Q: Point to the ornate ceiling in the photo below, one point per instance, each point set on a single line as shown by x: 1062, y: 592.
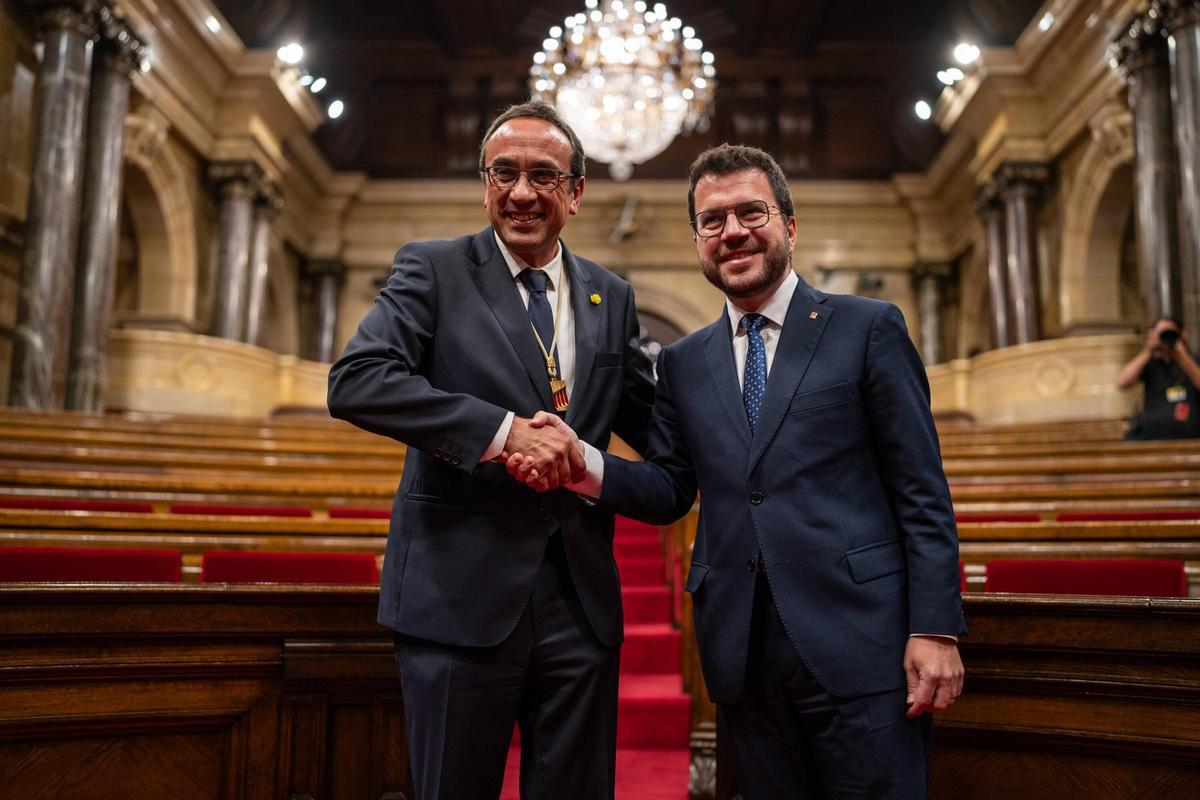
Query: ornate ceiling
x: 828, y: 86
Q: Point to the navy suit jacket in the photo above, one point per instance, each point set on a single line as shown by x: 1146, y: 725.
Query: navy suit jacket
x: 840, y: 489
x: 444, y: 353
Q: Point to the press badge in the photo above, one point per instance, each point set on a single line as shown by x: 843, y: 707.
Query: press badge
x: 1176, y: 394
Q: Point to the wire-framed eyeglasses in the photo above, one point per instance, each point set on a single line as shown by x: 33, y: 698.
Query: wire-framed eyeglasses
x: 750, y: 214
x: 542, y: 179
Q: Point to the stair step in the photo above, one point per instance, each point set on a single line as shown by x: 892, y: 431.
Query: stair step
x: 637, y: 547
x: 650, y: 649
x: 652, y: 711
x: 646, y: 604
x: 626, y: 526
x: 642, y: 774
x: 641, y: 571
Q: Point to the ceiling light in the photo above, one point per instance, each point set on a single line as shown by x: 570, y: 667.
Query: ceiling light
x: 966, y: 53
x: 336, y: 108
x: 923, y: 110
x: 212, y: 23
x: 291, y: 53
x: 950, y: 76
x: 318, y: 85
x: 1046, y: 21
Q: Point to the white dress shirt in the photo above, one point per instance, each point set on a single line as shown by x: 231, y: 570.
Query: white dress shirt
x: 557, y: 281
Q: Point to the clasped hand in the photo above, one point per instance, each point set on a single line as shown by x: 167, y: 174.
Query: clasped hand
x: 543, y: 452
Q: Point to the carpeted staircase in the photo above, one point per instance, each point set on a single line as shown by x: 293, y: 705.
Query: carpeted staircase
x: 652, y: 722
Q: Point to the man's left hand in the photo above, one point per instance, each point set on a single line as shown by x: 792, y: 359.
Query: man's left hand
x: 935, y: 674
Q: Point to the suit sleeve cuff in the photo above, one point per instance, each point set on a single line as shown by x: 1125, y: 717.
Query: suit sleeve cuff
x: 497, y: 446
x: 591, y: 484
x: 947, y: 637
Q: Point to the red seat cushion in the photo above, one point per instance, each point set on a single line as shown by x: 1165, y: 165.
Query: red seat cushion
x: 88, y: 564
x: 360, y: 513
x: 1162, y: 515
x: 997, y: 517
x: 219, y: 509
x: 225, y: 566
x: 67, y: 504
x: 1139, y: 577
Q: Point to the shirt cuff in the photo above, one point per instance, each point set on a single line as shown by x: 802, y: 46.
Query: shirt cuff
x: 945, y: 636
x: 590, y: 485
x: 497, y: 446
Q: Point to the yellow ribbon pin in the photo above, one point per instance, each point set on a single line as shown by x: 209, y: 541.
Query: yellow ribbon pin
x: 595, y: 298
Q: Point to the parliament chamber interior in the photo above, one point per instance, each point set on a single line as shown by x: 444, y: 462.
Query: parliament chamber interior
x: 201, y: 199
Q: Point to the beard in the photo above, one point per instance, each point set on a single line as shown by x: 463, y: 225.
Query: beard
x: 777, y: 260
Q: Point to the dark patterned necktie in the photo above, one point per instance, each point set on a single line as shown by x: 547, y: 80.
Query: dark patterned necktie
x: 754, y: 381
x: 540, y: 314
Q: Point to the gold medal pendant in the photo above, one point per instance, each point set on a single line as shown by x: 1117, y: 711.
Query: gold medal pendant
x: 558, y: 387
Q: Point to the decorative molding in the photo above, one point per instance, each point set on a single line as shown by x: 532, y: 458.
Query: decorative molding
x: 75, y: 16
x: 1112, y: 130
x: 145, y: 134
x: 239, y: 179
x: 119, y: 49
x: 1142, y: 43
x: 702, y: 769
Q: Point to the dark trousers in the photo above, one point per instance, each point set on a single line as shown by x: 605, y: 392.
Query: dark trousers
x: 792, y: 739
x: 551, y: 676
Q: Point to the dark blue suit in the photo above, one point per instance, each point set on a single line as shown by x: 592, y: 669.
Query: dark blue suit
x: 840, y: 492
x: 444, y: 353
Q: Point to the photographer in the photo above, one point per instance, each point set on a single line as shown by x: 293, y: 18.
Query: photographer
x: 1169, y: 375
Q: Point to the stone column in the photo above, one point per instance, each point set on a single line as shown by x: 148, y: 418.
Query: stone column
x: 1140, y: 55
x: 239, y: 184
x: 988, y: 206
x: 266, y: 209
x: 929, y: 279
x: 328, y: 277
x: 42, y: 335
x: 118, y: 54
x: 1183, y: 25
x: 1020, y: 188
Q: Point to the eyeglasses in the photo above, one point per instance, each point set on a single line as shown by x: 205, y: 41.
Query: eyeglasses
x: 542, y: 179
x: 751, y: 214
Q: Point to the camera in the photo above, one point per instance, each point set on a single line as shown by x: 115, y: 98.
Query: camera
x: 1168, y: 338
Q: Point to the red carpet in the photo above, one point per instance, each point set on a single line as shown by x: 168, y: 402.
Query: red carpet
x: 652, y: 721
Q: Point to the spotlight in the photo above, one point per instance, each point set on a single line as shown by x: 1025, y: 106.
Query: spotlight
x: 318, y: 85
x: 291, y: 53
x: 212, y: 23
x: 923, y: 110
x: 336, y: 108
x: 1046, y: 21
x: 966, y: 53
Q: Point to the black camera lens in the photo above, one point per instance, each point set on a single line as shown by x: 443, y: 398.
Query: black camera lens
x: 1168, y: 338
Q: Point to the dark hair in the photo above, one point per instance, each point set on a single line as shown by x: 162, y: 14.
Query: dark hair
x: 727, y: 158
x: 1176, y: 320
x: 537, y: 109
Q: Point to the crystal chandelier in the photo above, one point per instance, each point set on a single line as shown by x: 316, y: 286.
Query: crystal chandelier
x: 627, y: 78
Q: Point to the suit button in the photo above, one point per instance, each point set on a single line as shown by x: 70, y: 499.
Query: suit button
x: 751, y: 565
x: 456, y: 460
x: 756, y: 497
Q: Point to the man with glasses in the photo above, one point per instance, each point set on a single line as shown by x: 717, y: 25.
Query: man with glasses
x: 506, y: 603
x: 824, y: 576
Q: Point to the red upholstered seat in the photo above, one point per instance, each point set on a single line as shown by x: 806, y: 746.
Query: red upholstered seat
x: 68, y: 504
x: 88, y: 564
x: 360, y: 513
x: 219, y: 509
x: 222, y: 566
x: 1014, y: 517
x: 1160, y: 515
x: 1140, y: 577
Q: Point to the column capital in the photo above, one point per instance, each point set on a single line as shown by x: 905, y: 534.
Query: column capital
x: 241, y: 179
x: 78, y: 16
x: 325, y: 268
x: 1141, y: 43
x: 988, y: 201
x: 268, y: 200
x: 1178, y: 13
x: 938, y: 270
x: 120, y: 49
x: 1021, y: 177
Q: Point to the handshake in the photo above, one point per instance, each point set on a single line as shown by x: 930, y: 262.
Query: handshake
x: 543, y: 452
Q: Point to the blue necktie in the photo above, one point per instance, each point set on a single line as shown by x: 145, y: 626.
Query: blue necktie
x: 754, y: 381
x: 540, y: 315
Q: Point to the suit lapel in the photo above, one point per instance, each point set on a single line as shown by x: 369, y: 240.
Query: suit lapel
x: 802, y: 329
x: 587, y: 329
x: 722, y: 370
x: 500, y: 295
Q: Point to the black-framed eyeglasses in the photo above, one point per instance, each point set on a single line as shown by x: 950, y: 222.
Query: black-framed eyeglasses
x: 750, y: 214
x: 541, y: 178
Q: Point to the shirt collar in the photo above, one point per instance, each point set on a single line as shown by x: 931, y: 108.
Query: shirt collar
x: 776, y: 307
x: 553, y: 268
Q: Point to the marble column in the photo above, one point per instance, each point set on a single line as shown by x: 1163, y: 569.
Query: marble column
x: 1140, y: 55
x: 42, y: 335
x: 1183, y: 26
x: 328, y: 277
x: 1020, y: 189
x: 989, y: 207
x: 929, y: 279
x: 239, y: 184
x: 266, y: 209
x: 118, y: 53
